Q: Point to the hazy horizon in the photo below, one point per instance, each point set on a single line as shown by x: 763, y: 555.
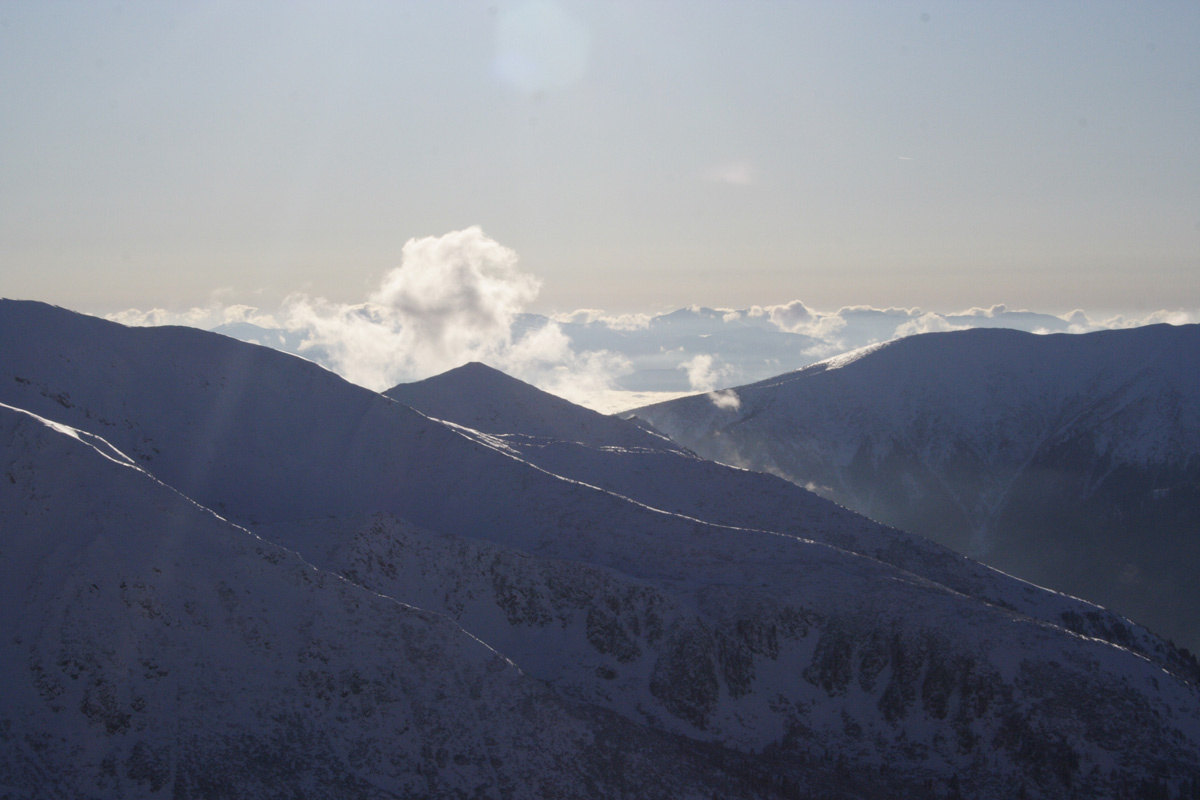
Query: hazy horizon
x: 463, y: 296
x: 637, y: 157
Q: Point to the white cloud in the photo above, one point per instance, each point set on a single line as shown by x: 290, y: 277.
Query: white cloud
x: 580, y: 316
x: 137, y: 318
x: 243, y: 313
x: 796, y: 317
x: 452, y: 299
x: 792, y: 316
x: 1177, y: 317
x: 926, y: 323
x: 194, y: 317
x: 726, y: 399
x: 616, y: 322
x: 537, y: 349
x: 890, y: 311
x: 210, y: 317
x: 455, y: 298
x: 583, y: 378
x: 703, y: 376
x: 455, y: 293
x: 545, y: 358
x: 993, y: 311
x: 1078, y: 322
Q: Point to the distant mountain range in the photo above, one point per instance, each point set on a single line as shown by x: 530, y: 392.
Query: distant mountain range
x: 739, y: 346
x: 228, y: 572
x: 750, y: 344
x: 1072, y: 461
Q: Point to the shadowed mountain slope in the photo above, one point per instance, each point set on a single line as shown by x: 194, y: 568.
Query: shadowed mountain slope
x: 1070, y: 460
x: 789, y: 664
x: 152, y: 649
x: 483, y: 398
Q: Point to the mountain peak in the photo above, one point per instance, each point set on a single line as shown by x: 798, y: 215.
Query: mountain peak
x: 488, y: 400
x: 1069, y: 460
x: 479, y: 371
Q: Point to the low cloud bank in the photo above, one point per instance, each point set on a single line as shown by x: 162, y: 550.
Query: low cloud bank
x: 595, y: 316
x: 453, y: 299
x: 462, y: 297
x: 208, y: 318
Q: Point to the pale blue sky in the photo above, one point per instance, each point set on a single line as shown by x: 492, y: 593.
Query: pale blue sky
x: 635, y: 155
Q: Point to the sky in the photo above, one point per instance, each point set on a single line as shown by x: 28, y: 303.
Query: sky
x: 635, y: 157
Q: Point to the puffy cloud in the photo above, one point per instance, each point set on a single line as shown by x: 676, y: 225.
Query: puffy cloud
x: 926, y: 323
x: 702, y: 375
x: 455, y: 294
x: 1078, y: 321
x: 584, y: 378
x: 538, y: 349
x: 616, y: 322
x: 214, y: 315
x: 796, y: 317
x: 1177, y: 317
x: 993, y: 311
x: 157, y: 316
x: 453, y: 299
x: 580, y: 316
x: 726, y: 399
x: 792, y: 316
x: 359, y: 342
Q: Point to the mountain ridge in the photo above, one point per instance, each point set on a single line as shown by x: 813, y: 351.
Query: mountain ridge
x: 463, y: 396
x: 222, y: 656
x: 959, y: 435
x: 793, y: 666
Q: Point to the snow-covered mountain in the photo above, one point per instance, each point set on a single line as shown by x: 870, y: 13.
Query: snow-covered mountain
x: 1070, y: 460
x: 152, y: 649
x: 485, y: 399
x: 647, y: 468
x: 712, y: 632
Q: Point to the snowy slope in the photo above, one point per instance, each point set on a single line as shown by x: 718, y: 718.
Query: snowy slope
x: 797, y: 653
x: 816, y: 663
x: 152, y: 649
x: 1073, y: 461
x: 223, y: 422
x: 674, y: 480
